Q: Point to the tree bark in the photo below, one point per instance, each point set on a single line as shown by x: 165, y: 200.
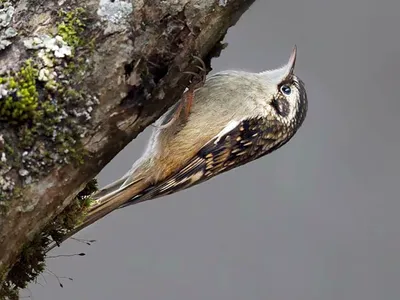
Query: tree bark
x: 69, y: 104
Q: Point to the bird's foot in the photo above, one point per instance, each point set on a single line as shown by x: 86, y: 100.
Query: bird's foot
x: 202, y: 74
x: 187, y: 99
x: 188, y: 96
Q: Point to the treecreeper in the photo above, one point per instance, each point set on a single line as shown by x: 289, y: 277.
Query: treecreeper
x: 233, y: 118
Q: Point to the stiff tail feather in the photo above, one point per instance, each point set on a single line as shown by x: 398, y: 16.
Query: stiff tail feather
x: 105, y: 204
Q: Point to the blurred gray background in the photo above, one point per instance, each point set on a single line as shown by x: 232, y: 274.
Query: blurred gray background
x: 318, y: 219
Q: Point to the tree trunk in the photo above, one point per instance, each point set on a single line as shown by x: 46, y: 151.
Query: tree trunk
x: 78, y: 81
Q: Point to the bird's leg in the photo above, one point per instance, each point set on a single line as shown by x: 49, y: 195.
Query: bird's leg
x: 187, y: 98
x: 189, y: 94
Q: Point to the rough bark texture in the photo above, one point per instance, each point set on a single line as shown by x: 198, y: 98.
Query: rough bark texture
x: 124, y: 71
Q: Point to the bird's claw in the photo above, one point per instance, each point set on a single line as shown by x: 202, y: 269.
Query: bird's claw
x: 188, y: 96
x: 187, y: 99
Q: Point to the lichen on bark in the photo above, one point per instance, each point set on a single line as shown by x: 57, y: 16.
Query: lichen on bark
x: 31, y: 261
x: 7, y: 32
x: 42, y: 106
x: 85, y: 78
x: 44, y: 114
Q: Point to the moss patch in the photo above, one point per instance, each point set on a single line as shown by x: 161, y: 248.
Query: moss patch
x: 22, y: 97
x: 31, y: 262
x: 44, y: 114
x: 72, y: 26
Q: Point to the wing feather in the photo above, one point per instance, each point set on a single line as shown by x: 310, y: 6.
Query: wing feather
x: 234, y: 146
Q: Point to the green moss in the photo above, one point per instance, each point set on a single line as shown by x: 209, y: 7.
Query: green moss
x: 44, y: 105
x: 8, y: 292
x: 43, y: 116
x: 72, y: 26
x: 22, y: 103
x: 9, y: 149
x: 73, y: 213
x: 41, y: 119
x: 31, y: 262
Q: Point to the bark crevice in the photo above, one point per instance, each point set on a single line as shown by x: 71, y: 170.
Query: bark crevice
x: 96, y: 73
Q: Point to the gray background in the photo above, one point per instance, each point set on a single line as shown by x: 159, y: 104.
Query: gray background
x: 317, y: 219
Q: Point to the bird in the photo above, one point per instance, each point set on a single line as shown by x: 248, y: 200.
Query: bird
x: 233, y: 118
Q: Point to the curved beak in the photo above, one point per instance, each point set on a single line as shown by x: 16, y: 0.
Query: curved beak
x: 292, y: 60
x: 280, y: 74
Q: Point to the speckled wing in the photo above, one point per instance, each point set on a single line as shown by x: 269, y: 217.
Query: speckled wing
x: 247, y: 140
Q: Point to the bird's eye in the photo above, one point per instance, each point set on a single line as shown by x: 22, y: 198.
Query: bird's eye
x: 286, y: 89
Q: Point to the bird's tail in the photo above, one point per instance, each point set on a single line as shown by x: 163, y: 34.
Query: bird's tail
x: 105, y: 204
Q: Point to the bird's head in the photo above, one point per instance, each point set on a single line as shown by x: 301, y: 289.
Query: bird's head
x: 288, y: 101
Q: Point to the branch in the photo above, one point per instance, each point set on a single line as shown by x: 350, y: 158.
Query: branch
x: 78, y: 81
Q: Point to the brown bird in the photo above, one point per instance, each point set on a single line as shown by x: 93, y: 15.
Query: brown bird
x: 235, y: 117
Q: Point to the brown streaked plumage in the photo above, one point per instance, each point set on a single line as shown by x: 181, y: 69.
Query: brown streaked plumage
x: 236, y: 117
